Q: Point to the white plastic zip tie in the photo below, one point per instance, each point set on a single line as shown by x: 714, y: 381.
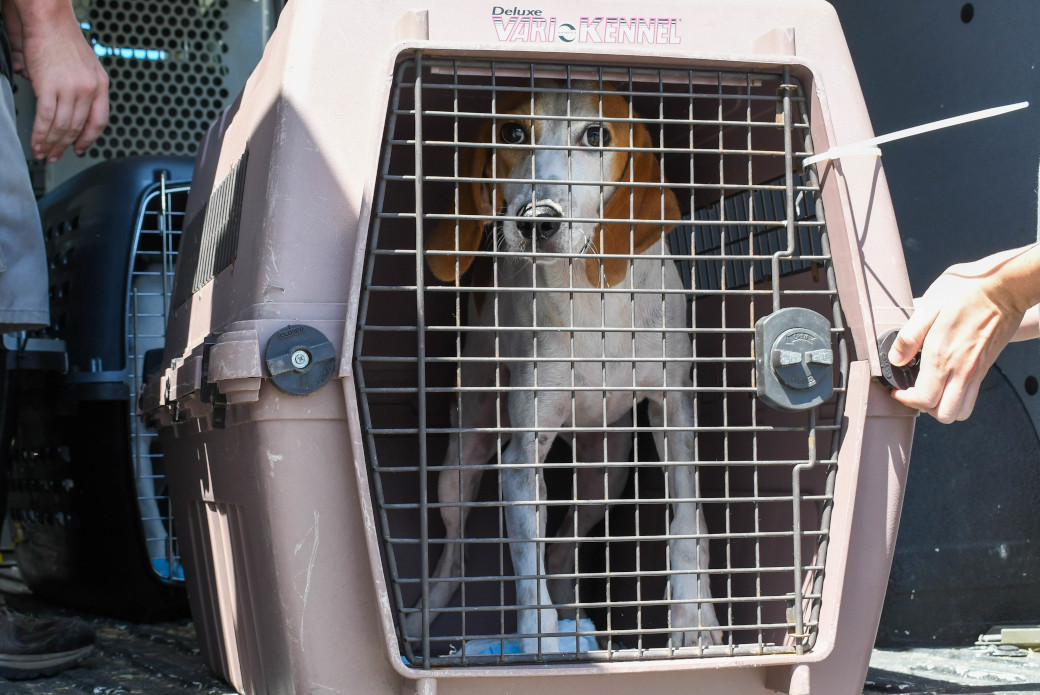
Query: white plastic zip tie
x: 869, y: 146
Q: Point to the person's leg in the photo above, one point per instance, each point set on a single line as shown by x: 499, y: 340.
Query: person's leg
x: 29, y: 647
x: 23, y: 263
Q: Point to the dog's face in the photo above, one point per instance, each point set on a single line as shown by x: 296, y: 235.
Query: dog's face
x: 553, y: 176
x: 564, y: 174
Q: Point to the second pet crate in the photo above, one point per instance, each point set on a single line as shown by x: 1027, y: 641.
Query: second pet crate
x: 88, y: 494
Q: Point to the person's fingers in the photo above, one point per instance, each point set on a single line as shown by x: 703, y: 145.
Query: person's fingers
x: 952, y: 401
x: 907, y: 397
x: 927, y: 391
x: 18, y: 64
x: 71, y: 117
x: 967, y: 402
x: 910, y: 338
x: 46, y: 107
x: 80, y: 113
x: 97, y: 118
x: 60, y: 134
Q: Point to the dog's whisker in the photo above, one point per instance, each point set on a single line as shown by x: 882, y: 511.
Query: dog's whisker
x: 590, y: 243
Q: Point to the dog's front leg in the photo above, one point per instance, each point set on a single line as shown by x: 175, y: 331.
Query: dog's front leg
x: 524, y: 494
x: 592, y: 483
x: 693, y: 616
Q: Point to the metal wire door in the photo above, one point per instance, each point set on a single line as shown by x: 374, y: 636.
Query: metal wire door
x: 731, y: 231
x: 154, y: 254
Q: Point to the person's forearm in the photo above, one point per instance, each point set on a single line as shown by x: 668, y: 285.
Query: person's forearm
x: 1014, y: 283
x: 1029, y: 329
x: 1011, y: 279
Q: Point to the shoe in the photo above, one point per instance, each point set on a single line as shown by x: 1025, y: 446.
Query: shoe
x: 34, y: 647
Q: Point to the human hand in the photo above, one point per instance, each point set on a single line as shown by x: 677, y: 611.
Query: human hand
x: 960, y: 326
x: 71, y: 87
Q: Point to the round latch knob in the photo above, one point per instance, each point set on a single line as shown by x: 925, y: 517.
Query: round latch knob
x: 300, y: 359
x: 794, y: 360
x: 801, y: 358
x: 896, y: 377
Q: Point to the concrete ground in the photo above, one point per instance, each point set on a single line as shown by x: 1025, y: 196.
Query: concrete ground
x: 164, y: 659
x: 989, y: 670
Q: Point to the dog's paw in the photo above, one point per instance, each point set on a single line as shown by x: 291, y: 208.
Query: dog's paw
x: 697, y: 638
x: 703, y: 616
x: 549, y: 645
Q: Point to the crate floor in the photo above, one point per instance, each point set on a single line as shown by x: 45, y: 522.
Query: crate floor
x: 164, y: 659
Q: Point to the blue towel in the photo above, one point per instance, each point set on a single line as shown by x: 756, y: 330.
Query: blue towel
x: 565, y: 628
x: 163, y: 569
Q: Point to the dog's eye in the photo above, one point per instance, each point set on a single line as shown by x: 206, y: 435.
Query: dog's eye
x: 596, y: 136
x: 512, y: 133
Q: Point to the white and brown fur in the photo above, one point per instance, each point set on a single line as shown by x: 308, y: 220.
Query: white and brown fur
x: 535, y: 200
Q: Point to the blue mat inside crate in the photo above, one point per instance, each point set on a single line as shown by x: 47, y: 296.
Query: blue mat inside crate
x: 564, y: 628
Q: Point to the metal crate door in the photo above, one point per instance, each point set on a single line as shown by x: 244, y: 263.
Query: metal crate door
x: 156, y: 242
x: 751, y: 243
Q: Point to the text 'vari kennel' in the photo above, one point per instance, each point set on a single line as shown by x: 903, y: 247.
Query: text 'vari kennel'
x: 606, y: 405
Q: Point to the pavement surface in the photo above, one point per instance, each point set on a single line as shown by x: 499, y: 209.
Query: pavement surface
x: 128, y: 658
x: 164, y: 659
x: 989, y: 670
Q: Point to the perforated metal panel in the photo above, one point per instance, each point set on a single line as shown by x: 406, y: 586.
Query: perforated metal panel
x: 173, y: 66
x: 651, y: 378
x: 167, y: 69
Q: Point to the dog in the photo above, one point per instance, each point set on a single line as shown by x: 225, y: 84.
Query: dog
x: 566, y: 182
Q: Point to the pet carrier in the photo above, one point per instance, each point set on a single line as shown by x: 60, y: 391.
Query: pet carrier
x: 87, y: 492
x: 604, y: 402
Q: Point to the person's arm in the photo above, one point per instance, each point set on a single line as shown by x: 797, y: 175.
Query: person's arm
x: 71, y: 87
x: 960, y: 326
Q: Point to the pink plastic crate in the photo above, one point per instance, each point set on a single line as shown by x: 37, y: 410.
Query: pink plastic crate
x: 317, y: 353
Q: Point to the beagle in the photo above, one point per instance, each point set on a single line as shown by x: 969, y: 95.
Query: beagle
x: 564, y: 189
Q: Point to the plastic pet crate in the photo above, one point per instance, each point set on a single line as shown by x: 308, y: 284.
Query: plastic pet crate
x: 88, y: 495
x: 387, y: 274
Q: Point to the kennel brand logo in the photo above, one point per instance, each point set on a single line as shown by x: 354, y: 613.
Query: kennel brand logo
x: 527, y: 25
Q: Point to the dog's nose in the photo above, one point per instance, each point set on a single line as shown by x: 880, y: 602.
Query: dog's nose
x: 543, y: 219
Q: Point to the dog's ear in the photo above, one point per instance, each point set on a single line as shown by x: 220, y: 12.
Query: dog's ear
x: 655, y: 203
x: 474, y: 199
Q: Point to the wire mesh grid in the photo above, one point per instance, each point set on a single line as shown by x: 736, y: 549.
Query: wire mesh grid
x: 156, y: 241
x: 554, y: 359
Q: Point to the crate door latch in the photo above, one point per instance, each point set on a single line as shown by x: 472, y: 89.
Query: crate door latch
x: 300, y: 359
x: 794, y: 360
